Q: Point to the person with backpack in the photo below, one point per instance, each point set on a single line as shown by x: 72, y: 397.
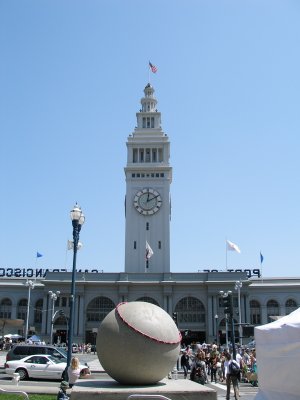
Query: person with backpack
x: 232, y: 373
x: 198, y: 371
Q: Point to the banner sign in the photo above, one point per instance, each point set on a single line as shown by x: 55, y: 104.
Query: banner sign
x: 36, y: 272
x: 41, y: 273
x: 250, y: 272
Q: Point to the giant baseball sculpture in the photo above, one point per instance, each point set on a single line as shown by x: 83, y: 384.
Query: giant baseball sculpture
x: 138, y: 343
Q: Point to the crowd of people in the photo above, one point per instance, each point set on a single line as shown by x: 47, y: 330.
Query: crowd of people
x: 212, y: 363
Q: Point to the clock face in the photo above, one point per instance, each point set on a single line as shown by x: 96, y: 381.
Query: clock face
x: 147, y: 201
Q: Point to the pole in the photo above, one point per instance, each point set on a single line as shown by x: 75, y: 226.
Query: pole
x: 27, y: 316
x: 240, y: 316
x: 52, y: 315
x: 233, y: 338
x: 238, y: 285
x: 76, y: 230
x: 226, y: 327
x: 30, y: 285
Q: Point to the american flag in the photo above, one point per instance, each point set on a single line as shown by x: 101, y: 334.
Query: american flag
x: 153, y: 67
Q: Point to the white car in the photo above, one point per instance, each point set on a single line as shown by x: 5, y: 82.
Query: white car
x: 39, y: 366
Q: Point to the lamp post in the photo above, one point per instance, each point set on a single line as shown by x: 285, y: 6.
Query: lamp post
x: 53, y: 297
x: 77, y: 218
x: 216, y: 325
x: 238, y: 286
x: 30, y: 285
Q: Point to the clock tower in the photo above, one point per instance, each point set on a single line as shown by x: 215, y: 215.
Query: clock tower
x: 147, y: 203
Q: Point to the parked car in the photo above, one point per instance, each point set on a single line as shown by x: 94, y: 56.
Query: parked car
x: 20, y: 351
x: 38, y: 366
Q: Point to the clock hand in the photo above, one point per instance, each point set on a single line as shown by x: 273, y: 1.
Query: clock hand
x: 152, y: 198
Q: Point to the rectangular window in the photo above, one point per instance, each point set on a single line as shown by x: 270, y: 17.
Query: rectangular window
x: 159, y: 244
x: 138, y: 175
x: 147, y: 226
x: 147, y: 155
x: 148, y: 122
x: 141, y: 155
x: 144, y: 122
x: 134, y: 245
x: 162, y: 175
x: 132, y: 175
x: 152, y: 122
x: 160, y: 155
x: 154, y: 155
x: 64, y: 302
x: 135, y: 155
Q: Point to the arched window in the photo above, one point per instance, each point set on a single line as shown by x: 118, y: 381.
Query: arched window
x: 255, y: 312
x: 5, y: 308
x: 148, y: 300
x: 272, y: 309
x: 190, y: 310
x: 290, y: 305
x: 98, y: 309
x: 22, y: 309
x: 38, y: 311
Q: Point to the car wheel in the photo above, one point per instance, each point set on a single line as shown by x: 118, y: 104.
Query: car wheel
x: 23, y: 374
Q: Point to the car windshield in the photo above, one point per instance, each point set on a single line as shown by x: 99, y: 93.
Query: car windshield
x: 62, y: 351
x: 55, y: 360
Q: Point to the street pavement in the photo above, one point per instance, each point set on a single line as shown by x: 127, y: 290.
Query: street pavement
x: 247, y: 392
x: 91, y: 359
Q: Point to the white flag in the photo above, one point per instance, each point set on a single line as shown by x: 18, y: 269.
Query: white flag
x: 70, y: 245
x: 149, y: 251
x: 232, y: 247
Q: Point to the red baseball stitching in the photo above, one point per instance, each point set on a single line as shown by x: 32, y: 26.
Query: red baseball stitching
x: 142, y: 333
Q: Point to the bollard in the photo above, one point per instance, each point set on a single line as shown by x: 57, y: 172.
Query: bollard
x: 16, y: 378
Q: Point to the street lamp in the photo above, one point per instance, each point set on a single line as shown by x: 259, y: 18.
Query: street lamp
x: 216, y: 319
x: 238, y: 286
x: 30, y: 285
x: 77, y: 218
x: 53, y: 297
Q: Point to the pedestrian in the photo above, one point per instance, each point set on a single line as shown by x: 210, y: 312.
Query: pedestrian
x: 73, y: 371
x: 198, y: 370
x: 62, y: 394
x: 185, y: 363
x: 232, y: 373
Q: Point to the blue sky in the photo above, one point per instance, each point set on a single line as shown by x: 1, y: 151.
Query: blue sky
x: 71, y: 76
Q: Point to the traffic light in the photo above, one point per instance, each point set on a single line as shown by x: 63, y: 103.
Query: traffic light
x: 174, y: 316
x: 227, y: 304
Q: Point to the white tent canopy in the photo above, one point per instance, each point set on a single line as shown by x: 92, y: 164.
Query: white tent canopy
x: 278, y: 354
x: 12, y: 336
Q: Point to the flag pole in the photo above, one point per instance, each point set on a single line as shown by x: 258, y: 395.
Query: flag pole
x: 146, y: 256
x: 261, y: 267
x: 226, y: 254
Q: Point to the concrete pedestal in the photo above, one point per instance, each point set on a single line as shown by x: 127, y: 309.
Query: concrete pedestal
x: 179, y: 389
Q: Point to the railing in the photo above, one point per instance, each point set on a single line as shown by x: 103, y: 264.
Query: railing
x: 24, y: 394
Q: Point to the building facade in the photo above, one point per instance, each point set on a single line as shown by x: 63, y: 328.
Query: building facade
x: 194, y: 296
